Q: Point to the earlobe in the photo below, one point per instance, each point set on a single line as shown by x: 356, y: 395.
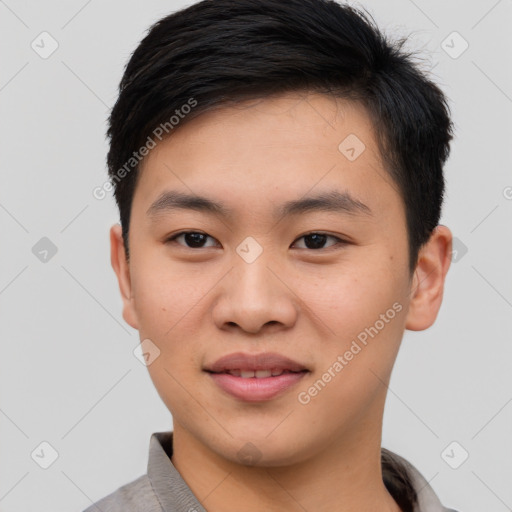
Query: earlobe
x: 426, y: 292
x: 122, y: 270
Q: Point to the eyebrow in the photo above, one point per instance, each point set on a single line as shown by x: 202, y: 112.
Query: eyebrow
x: 331, y: 201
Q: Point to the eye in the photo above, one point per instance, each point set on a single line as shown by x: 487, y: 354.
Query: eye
x: 316, y: 240
x: 194, y: 238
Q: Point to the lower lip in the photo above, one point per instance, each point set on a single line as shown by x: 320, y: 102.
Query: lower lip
x: 255, y: 389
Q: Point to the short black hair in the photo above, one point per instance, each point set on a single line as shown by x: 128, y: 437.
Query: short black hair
x: 219, y: 52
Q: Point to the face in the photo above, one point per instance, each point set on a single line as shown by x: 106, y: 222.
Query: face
x: 300, y: 273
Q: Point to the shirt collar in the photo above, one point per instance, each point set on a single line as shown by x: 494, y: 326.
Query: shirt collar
x: 175, y: 495
x: 172, y: 491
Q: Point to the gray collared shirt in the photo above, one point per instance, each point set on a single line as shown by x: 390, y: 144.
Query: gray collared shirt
x: 163, y: 489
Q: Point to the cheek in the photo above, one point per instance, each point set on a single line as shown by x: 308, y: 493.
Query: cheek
x: 169, y: 304
x: 348, y: 299
x: 164, y: 296
x: 362, y: 313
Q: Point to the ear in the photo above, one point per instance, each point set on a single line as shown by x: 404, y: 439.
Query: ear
x: 434, y: 260
x: 122, y: 270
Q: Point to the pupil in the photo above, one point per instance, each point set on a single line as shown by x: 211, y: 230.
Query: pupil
x: 194, y: 239
x: 318, y: 240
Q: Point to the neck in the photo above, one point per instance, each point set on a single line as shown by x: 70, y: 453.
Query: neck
x: 346, y: 477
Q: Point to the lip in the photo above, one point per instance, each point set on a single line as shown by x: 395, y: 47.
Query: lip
x: 254, y: 362
x: 255, y: 389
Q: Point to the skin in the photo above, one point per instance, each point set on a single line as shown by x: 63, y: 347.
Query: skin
x: 198, y: 303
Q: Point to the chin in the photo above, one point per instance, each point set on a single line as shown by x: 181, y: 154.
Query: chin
x: 261, y: 449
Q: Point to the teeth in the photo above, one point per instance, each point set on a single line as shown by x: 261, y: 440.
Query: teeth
x: 259, y: 374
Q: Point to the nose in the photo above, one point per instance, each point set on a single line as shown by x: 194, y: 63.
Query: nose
x: 255, y: 297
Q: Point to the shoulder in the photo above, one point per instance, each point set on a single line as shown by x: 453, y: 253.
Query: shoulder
x: 137, y: 495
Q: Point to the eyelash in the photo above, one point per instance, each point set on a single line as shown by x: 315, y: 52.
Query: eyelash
x: 340, y: 242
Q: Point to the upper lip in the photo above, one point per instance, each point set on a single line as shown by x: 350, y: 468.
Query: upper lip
x: 254, y: 362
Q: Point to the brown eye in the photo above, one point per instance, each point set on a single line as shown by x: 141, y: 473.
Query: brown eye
x: 316, y: 241
x: 192, y: 239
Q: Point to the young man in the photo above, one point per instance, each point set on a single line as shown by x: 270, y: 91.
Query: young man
x: 278, y: 170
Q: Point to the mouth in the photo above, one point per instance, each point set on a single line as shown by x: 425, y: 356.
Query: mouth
x: 255, y: 377
x: 257, y: 374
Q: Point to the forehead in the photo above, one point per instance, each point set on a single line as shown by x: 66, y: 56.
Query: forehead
x: 259, y: 151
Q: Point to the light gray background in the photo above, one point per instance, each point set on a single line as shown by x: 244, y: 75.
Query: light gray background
x: 68, y: 374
